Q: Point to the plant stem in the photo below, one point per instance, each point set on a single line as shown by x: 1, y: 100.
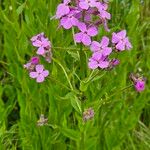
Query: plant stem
x: 82, y: 62
x: 82, y: 76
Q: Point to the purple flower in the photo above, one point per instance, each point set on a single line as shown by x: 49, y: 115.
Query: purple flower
x: 102, y: 7
x: 121, y: 41
x: 101, y: 47
x: 139, y: 85
x: 85, y: 35
x: 69, y: 20
x: 88, y: 114
x: 138, y: 81
x: 30, y: 66
x: 85, y: 4
x: 37, y: 37
x: 39, y: 73
x: 42, y: 44
x: 63, y: 9
x: 98, y: 61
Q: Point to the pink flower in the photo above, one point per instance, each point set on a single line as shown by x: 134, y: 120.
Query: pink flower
x: 85, y: 4
x: 42, y: 44
x: 98, y: 61
x: 39, y: 73
x: 31, y: 64
x: 69, y: 20
x: 138, y: 81
x: 85, y: 35
x: 37, y: 37
x: 63, y: 9
x: 102, y: 8
x: 139, y: 85
x: 121, y: 41
x: 101, y: 47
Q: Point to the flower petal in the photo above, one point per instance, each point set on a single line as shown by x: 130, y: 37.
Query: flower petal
x: 95, y: 46
x: 74, y: 21
x: 107, y: 51
x: 66, y: 23
x: 33, y: 74
x: 62, y: 10
x: 45, y: 73
x: 104, y: 41
x: 122, y: 34
x: 82, y: 26
x: 103, y: 64
x: 93, y: 64
x: 86, y: 40
x: 115, y: 38
x: 78, y: 37
x: 40, y: 50
x: 84, y: 5
x: 97, y: 56
x: 120, y: 46
x: 40, y: 79
x: 39, y: 68
x: 128, y: 44
x: 37, y: 43
x: 92, y: 31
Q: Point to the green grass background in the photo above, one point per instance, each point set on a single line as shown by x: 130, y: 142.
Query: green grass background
x: 122, y: 116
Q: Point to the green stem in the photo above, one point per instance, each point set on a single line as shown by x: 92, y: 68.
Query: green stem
x: 82, y: 76
x: 71, y: 87
x: 82, y: 62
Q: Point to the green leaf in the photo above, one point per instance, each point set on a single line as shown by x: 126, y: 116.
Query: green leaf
x: 20, y: 8
x: 70, y: 133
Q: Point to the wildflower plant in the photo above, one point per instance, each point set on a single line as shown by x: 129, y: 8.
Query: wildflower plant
x: 78, y: 98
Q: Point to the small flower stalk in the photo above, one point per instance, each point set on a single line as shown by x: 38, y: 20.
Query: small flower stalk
x: 88, y: 114
x: 35, y: 69
x: 42, y: 121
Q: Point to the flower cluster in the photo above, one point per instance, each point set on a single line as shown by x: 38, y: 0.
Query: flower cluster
x: 138, y: 81
x: 87, y: 16
x: 101, y: 51
x: 36, y: 70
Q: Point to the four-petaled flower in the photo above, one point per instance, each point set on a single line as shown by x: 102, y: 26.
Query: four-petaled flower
x: 121, y: 41
x: 63, y: 9
x: 102, y: 8
x: 98, y: 61
x: 101, y: 47
x: 39, y: 73
x: 85, y: 35
x: 69, y: 20
x: 42, y: 44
